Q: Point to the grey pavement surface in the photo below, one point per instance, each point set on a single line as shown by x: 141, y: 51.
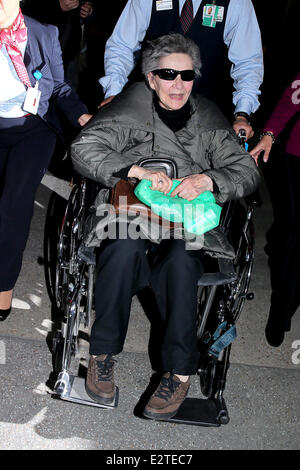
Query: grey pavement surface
x: 262, y: 392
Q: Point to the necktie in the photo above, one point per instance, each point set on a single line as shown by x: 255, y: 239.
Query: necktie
x: 186, y: 17
x: 11, y: 37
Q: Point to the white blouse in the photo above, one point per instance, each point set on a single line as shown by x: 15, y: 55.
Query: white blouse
x: 12, y: 90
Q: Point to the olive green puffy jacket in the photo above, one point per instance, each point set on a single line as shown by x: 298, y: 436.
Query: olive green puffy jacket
x: 129, y: 129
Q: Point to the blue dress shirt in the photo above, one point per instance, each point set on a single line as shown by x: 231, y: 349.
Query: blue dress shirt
x: 241, y: 36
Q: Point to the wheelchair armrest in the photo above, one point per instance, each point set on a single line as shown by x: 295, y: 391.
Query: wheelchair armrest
x: 166, y: 164
x: 225, y: 275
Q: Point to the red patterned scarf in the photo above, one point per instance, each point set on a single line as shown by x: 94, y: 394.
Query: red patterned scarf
x: 12, y: 37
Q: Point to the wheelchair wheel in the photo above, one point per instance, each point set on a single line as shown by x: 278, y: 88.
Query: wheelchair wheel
x: 213, y: 314
x: 55, y: 213
x: 67, y: 266
x: 243, y: 267
x: 74, y: 279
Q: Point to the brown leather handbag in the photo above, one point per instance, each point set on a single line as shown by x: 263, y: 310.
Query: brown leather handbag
x: 124, y: 201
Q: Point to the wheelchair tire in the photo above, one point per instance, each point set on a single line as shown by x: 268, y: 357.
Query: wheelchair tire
x: 243, y: 267
x: 55, y: 213
x: 68, y: 244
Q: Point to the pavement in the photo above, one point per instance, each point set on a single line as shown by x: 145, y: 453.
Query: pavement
x: 262, y: 391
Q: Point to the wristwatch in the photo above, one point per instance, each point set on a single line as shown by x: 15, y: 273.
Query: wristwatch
x: 242, y: 114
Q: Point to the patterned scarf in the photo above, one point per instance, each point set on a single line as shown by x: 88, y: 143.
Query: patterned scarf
x: 12, y: 37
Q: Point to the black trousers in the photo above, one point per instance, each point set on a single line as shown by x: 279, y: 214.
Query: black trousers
x: 123, y: 270
x: 26, y: 147
x: 286, y: 294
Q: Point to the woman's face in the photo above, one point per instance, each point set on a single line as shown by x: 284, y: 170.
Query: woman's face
x: 9, y: 10
x: 172, y: 94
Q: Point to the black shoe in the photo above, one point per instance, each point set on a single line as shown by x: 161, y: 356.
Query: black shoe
x: 4, y: 313
x: 274, y: 334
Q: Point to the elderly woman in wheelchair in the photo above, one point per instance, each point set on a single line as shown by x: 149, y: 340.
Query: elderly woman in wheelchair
x: 159, y: 119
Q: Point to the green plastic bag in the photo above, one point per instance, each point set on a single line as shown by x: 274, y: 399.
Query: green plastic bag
x: 198, y: 216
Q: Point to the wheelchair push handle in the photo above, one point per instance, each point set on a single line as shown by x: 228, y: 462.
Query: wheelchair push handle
x: 242, y: 138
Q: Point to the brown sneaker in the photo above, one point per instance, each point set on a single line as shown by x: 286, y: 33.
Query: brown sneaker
x: 167, y: 398
x: 100, y: 379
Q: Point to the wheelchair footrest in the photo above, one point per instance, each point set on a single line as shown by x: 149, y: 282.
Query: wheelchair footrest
x: 202, y: 412
x: 76, y: 393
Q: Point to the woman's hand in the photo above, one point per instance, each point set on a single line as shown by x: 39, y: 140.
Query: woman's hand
x: 192, y: 186
x: 160, y: 181
x: 264, y: 145
x: 84, y: 118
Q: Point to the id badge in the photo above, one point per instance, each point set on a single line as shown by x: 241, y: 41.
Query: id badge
x: 164, y: 5
x: 32, y: 100
x: 220, y: 14
x: 210, y: 15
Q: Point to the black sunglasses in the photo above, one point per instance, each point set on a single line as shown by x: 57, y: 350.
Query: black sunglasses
x: 171, y: 74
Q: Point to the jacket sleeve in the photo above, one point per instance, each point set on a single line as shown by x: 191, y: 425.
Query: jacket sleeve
x: 286, y: 108
x: 232, y: 169
x: 97, y: 152
x: 65, y: 98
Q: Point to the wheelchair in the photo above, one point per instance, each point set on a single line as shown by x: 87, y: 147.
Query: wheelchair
x: 222, y: 292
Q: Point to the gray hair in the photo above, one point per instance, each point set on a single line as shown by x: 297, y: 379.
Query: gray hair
x: 166, y: 45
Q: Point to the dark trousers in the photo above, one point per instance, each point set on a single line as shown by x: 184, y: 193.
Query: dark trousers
x: 123, y: 270
x: 26, y: 147
x: 286, y: 294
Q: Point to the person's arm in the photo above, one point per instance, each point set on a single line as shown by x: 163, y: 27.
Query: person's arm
x: 232, y: 168
x: 124, y: 42
x: 66, y: 99
x: 243, y: 39
x: 286, y: 108
x: 97, y: 152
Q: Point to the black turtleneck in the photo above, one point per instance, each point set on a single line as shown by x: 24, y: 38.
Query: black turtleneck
x: 174, y: 119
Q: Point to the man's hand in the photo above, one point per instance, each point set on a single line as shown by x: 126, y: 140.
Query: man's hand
x: 106, y: 101
x: 192, y: 186
x: 86, y: 10
x: 264, y: 145
x: 241, y: 122
x: 68, y: 5
x: 84, y: 118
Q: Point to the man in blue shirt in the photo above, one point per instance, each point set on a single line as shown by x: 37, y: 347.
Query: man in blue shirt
x: 229, y: 29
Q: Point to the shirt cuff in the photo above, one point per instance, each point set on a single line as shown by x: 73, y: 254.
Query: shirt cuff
x: 243, y: 105
x: 123, y: 173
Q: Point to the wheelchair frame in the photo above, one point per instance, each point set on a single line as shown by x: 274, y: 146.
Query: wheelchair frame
x: 221, y: 296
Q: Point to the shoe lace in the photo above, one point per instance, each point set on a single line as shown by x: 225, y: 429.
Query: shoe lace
x: 105, y: 369
x: 167, y: 388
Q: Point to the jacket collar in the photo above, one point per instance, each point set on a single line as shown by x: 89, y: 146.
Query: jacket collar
x: 29, y: 50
